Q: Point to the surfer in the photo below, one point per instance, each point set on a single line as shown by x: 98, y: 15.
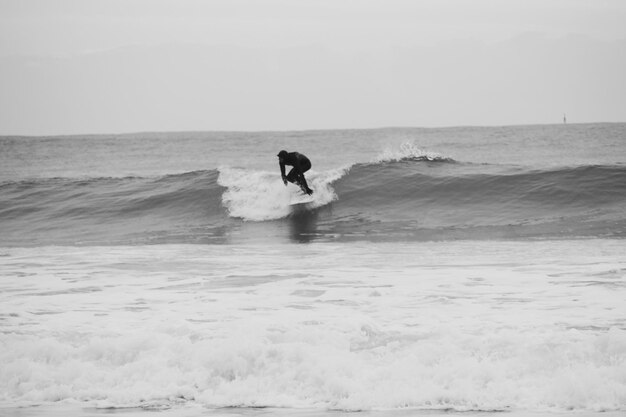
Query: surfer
x: 300, y: 164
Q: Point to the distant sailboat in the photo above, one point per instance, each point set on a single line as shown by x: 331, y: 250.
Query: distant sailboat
x: 564, y: 119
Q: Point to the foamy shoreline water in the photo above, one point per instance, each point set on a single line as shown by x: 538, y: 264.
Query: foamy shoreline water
x: 69, y: 411
x: 531, y: 327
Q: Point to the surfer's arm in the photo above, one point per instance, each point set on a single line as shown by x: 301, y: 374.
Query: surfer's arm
x: 282, y: 172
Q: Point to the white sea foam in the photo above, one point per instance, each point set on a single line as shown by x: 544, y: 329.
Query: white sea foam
x: 258, y: 196
x: 463, y: 326
x: 407, y: 150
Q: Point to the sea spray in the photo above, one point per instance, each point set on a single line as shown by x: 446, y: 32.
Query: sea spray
x: 409, y: 151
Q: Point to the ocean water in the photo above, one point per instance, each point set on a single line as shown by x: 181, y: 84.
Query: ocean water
x: 457, y: 270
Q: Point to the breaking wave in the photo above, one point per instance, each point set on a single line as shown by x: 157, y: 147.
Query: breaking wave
x: 406, y: 195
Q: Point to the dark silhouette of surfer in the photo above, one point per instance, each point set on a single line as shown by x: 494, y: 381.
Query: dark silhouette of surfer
x: 300, y: 164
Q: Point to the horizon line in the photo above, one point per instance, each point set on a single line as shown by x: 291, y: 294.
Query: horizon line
x: 146, y: 132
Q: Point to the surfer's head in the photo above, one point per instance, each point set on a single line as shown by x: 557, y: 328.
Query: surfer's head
x: 282, y: 154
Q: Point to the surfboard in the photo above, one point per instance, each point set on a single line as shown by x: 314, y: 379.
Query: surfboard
x: 302, y: 188
x: 301, y: 199
x: 299, y: 196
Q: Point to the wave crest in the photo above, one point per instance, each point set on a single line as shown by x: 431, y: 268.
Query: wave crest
x: 409, y: 151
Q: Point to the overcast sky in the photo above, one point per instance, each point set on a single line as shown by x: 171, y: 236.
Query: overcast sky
x: 108, y: 66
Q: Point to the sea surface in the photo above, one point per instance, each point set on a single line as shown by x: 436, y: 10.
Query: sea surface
x: 436, y: 271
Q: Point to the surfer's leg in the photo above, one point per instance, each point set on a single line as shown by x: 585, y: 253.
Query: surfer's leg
x: 305, y: 165
x: 301, y: 181
x: 297, y: 178
x: 292, y: 177
x: 303, y: 185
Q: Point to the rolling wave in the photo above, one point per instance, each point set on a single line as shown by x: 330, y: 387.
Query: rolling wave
x: 109, y: 210
x: 412, y: 197
x: 431, y: 202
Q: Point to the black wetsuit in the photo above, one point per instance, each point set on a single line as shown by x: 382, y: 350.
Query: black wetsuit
x: 300, y: 164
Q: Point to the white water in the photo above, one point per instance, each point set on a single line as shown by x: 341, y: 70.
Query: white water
x: 537, y: 326
x: 258, y: 195
x: 406, y: 150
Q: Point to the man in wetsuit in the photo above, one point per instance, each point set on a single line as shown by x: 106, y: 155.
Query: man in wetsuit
x: 300, y: 164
